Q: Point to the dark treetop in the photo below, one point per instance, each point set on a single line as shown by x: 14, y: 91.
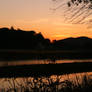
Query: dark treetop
x: 20, y: 39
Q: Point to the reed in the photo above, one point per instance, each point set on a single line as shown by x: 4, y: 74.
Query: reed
x: 48, y: 84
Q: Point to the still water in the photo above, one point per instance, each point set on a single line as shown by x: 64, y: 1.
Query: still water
x: 28, y: 62
x: 53, y: 83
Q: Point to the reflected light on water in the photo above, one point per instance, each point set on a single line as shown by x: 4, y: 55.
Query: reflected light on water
x: 29, y: 62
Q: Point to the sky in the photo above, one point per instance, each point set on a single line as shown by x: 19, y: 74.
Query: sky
x: 38, y: 15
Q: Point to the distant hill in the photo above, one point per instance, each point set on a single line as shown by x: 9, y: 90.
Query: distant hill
x: 20, y: 39
x: 82, y: 43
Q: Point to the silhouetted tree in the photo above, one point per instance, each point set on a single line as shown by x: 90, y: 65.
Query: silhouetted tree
x: 75, y: 11
x: 20, y: 39
x: 12, y: 28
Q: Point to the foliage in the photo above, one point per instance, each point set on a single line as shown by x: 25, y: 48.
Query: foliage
x: 76, y: 11
x: 54, y: 84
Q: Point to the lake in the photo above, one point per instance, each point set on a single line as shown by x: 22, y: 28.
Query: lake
x: 45, y: 61
x: 73, y: 82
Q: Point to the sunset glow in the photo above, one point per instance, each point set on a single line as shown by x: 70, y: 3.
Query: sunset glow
x: 37, y: 15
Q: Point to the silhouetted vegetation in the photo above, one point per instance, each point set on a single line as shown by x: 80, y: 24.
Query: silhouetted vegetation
x: 48, y: 84
x: 30, y: 40
x: 20, y: 44
x: 75, y: 11
x: 20, y: 39
x: 80, y: 43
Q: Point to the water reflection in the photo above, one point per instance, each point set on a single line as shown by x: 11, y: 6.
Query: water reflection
x: 62, y: 83
x: 28, y: 62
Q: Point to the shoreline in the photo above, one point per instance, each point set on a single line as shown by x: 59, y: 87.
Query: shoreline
x: 44, y: 69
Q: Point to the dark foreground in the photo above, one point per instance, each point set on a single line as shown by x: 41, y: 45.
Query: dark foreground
x: 44, y: 69
x: 10, y: 55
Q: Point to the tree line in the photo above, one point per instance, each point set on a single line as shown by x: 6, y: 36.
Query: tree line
x: 20, y: 39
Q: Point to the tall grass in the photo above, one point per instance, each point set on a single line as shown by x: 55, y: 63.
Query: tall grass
x: 76, y: 83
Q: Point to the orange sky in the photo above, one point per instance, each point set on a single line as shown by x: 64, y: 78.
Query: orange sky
x: 37, y: 15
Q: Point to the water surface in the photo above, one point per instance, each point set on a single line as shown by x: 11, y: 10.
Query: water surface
x: 47, y: 61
